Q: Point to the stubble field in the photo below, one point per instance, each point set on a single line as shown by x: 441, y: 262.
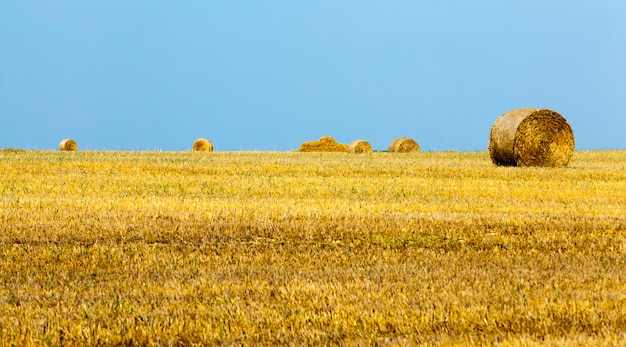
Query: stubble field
x: 275, y: 248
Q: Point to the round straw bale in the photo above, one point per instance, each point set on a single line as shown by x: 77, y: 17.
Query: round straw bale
x: 403, y: 145
x: 392, y: 145
x: 324, y: 144
x: 68, y: 145
x: 359, y: 146
x: 531, y: 137
x: 202, y: 145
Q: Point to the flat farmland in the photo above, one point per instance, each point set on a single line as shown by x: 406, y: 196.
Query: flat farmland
x: 287, y: 248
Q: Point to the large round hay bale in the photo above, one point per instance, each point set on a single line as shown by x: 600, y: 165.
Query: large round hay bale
x: 324, y: 144
x: 202, y: 145
x: 531, y: 137
x: 359, y: 146
x: 403, y: 145
x: 68, y: 145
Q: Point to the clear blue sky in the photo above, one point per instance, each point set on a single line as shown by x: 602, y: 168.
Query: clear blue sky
x: 268, y: 75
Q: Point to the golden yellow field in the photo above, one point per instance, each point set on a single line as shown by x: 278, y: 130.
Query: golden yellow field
x: 275, y: 248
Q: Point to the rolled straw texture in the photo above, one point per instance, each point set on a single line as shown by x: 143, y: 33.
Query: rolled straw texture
x: 68, y: 145
x: 324, y: 144
x: 202, y: 145
x: 359, y: 146
x: 403, y: 145
x: 531, y: 137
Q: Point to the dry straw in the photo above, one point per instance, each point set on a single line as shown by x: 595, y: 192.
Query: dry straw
x: 68, y: 145
x: 324, y: 144
x: 403, y: 145
x: 531, y: 137
x: 202, y: 145
x: 359, y: 146
x: 12, y: 150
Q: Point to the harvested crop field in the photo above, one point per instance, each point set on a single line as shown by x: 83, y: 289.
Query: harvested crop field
x: 278, y: 248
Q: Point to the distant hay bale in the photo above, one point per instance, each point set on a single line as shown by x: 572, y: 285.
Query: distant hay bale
x: 12, y: 150
x: 531, y: 137
x: 403, y: 145
x: 202, y: 145
x: 359, y: 146
x: 68, y: 145
x: 324, y: 144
